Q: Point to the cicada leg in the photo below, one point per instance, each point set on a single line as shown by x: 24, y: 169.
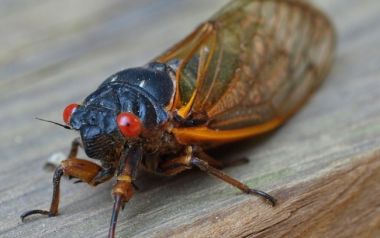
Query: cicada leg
x: 175, y: 166
x: 195, y: 158
x: 181, y: 163
x: 77, y: 142
x: 123, y: 189
x: 72, y: 167
x: 84, y: 170
x: 204, y: 166
x: 219, y: 164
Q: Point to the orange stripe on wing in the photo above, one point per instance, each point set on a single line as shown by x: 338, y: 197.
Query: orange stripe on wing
x: 206, y: 135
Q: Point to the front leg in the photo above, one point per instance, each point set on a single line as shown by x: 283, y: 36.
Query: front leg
x: 84, y: 170
x: 123, y: 189
x: 72, y: 167
x: 106, y: 172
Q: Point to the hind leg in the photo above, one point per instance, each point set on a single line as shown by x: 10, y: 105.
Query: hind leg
x: 193, y: 158
x: 219, y: 164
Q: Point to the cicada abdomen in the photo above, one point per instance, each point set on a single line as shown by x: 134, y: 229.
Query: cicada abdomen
x: 250, y: 67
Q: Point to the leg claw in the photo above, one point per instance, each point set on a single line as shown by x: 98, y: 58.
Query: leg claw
x: 268, y: 198
x: 32, y: 212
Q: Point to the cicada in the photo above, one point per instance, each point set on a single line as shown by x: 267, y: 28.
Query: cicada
x: 242, y: 73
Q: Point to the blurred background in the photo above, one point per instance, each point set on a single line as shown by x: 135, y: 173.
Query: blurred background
x: 53, y: 53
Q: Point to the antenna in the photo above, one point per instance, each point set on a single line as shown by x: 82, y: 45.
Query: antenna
x: 55, y: 123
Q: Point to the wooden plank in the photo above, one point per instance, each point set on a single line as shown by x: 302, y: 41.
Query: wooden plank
x: 323, y: 165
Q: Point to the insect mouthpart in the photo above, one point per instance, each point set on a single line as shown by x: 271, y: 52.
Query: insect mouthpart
x: 101, y: 147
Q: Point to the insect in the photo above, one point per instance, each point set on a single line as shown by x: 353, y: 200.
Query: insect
x: 239, y: 74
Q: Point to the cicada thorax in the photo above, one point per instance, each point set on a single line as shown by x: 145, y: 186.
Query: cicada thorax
x: 250, y: 67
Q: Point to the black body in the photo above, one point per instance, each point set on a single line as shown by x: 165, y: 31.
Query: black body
x: 144, y: 91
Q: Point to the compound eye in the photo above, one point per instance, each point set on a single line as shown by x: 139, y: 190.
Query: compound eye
x: 68, y: 112
x: 129, y: 124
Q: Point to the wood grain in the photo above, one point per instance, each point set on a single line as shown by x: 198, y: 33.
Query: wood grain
x: 323, y: 165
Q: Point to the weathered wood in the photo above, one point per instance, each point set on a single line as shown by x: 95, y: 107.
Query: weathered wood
x: 323, y: 165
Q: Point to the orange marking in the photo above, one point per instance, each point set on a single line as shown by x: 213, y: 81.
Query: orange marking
x: 184, y: 111
x: 205, y: 30
x: 204, y: 134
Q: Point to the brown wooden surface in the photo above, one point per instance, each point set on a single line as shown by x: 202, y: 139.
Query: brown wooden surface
x: 323, y: 165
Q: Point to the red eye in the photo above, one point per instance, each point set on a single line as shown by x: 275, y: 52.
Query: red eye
x: 69, y: 110
x: 129, y: 124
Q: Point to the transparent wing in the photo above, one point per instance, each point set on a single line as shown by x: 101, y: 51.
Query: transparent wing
x: 254, y: 63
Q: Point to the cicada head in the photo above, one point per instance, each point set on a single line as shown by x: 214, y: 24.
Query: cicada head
x: 129, y: 107
x: 104, y: 133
